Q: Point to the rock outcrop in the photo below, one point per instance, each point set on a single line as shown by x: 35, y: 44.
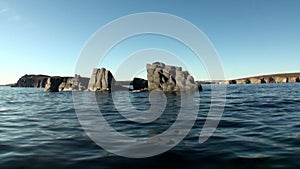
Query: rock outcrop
x: 139, y: 84
x: 232, y: 82
x: 160, y: 76
x: 66, y: 84
x: 101, y: 80
x: 170, y: 78
x: 57, y: 83
x: 37, y: 81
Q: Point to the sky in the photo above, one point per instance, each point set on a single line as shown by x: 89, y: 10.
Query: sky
x: 251, y: 37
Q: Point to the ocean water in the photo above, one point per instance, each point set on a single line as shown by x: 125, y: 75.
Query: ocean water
x: 260, y: 128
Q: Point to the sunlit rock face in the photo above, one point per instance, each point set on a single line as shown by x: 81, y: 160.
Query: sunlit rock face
x: 66, y: 84
x: 101, y: 80
x: 170, y: 78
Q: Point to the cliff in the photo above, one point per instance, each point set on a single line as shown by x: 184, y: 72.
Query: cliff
x: 272, y: 78
x: 53, y: 83
x: 37, y: 81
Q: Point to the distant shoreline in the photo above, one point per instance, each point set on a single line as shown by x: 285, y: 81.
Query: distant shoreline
x: 270, y: 78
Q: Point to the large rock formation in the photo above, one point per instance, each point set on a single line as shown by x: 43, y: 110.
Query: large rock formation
x: 101, y: 80
x: 38, y: 81
x: 170, y: 78
x: 57, y: 83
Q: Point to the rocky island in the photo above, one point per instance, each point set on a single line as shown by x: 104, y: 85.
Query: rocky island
x: 160, y: 76
x: 170, y: 78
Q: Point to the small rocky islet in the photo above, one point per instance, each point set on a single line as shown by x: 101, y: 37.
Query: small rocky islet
x: 159, y: 76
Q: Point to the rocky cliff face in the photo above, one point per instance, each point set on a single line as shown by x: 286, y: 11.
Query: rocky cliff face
x: 38, y: 81
x: 275, y: 78
x: 57, y: 83
x: 53, y: 84
x: 101, y: 80
x: 170, y: 78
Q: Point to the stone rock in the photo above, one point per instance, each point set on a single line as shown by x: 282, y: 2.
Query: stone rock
x: 263, y: 80
x: 101, y: 80
x: 232, y: 82
x: 139, y: 84
x: 36, y: 81
x: 272, y: 80
x: 248, y: 81
x: 170, y: 78
x: 199, y: 86
x: 66, y: 84
x: 53, y: 84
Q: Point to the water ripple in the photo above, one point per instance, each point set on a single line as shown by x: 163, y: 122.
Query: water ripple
x: 260, y: 128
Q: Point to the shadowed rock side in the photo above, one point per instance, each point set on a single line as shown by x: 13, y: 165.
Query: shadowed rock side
x: 80, y: 83
x: 275, y: 78
x: 170, y: 78
x: 37, y: 81
x: 139, y: 84
x: 53, y: 84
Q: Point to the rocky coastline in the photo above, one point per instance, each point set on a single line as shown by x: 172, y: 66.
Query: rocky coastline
x: 273, y: 78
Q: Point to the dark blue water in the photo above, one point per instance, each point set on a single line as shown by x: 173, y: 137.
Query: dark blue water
x: 260, y: 128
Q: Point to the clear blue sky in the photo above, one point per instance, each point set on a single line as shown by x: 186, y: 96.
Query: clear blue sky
x: 252, y: 37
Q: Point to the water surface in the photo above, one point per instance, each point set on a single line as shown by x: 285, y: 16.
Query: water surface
x: 260, y: 128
